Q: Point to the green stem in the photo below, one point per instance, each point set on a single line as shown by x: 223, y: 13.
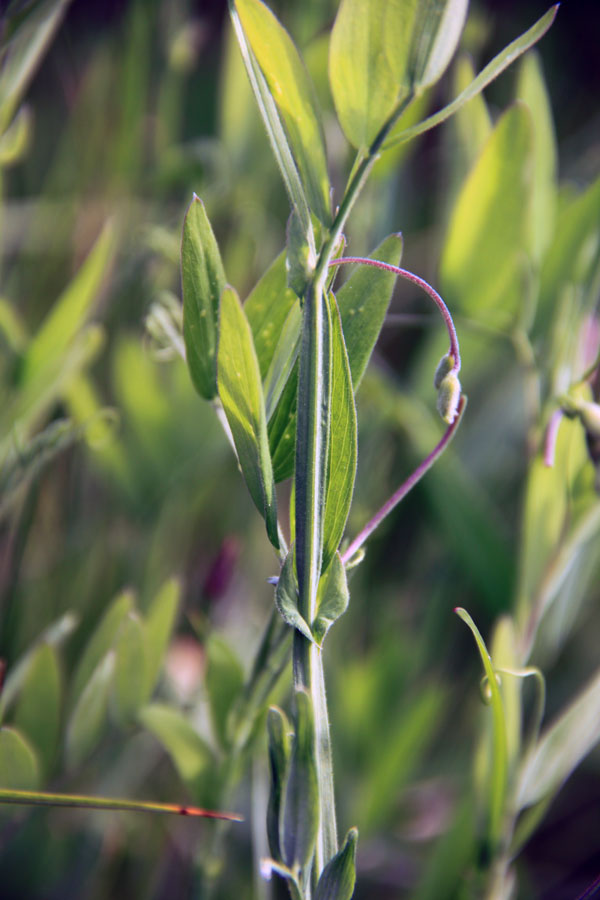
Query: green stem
x: 83, y: 801
x: 312, y: 437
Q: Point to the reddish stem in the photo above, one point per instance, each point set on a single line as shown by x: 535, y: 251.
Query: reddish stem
x: 405, y: 487
x: 424, y: 285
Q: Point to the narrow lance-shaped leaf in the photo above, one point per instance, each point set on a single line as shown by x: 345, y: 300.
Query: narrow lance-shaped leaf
x: 21, y: 54
x: 363, y: 301
x: 294, y: 95
x: 342, y: 442
x: 224, y: 681
x: 284, y: 360
x: 274, y: 127
x: 240, y: 391
x: 279, y: 731
x: 38, y: 710
x: 130, y: 677
x: 190, y: 754
x: 339, y: 875
x: 301, y: 815
x: 532, y: 90
x: 159, y: 623
x: 494, y: 68
x: 102, y: 640
x: 90, y: 713
x: 481, y: 260
x: 18, y: 763
x: 202, y: 280
x: 562, y: 747
x: 70, y: 310
x: 267, y: 307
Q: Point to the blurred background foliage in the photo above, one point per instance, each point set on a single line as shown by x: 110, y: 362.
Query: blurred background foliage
x: 115, y: 477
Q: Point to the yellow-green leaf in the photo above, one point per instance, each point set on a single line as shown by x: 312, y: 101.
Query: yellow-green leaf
x: 293, y: 92
x: 202, y: 280
x: 483, y: 254
x: 240, y: 391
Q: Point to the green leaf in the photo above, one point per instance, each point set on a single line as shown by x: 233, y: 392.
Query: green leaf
x: 23, y: 50
x: 282, y: 429
x: 37, y: 395
x: 506, y: 655
x: 89, y: 716
x: 70, y: 311
x: 102, y: 641
x: 286, y: 597
x: 23, y: 463
x: 160, y: 620
x: 483, y: 254
x: 332, y: 600
x: 294, y: 95
x: 342, y: 443
x: 562, y: 747
x: 15, y: 140
x: 202, y: 282
x: 38, y: 710
x: 266, y: 308
x: 437, y: 31
x: 129, y: 687
x: 224, y: 683
x: 494, y: 68
x: 18, y: 764
x: 279, y: 730
x: 241, y: 394
x: 499, y: 763
x: 577, y: 222
x: 531, y: 89
x: 274, y: 128
x: 284, y: 360
x: 53, y: 636
x: 301, y: 813
x: 190, y: 754
x: 361, y: 73
x: 363, y: 302
x: 339, y: 875
x: 472, y: 122
x: 384, y: 51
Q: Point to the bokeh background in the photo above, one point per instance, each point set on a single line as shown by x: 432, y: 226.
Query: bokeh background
x: 137, y: 104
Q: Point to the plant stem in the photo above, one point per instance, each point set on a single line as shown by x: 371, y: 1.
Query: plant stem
x: 83, y: 801
x: 424, y: 285
x: 312, y: 438
x: 405, y: 487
